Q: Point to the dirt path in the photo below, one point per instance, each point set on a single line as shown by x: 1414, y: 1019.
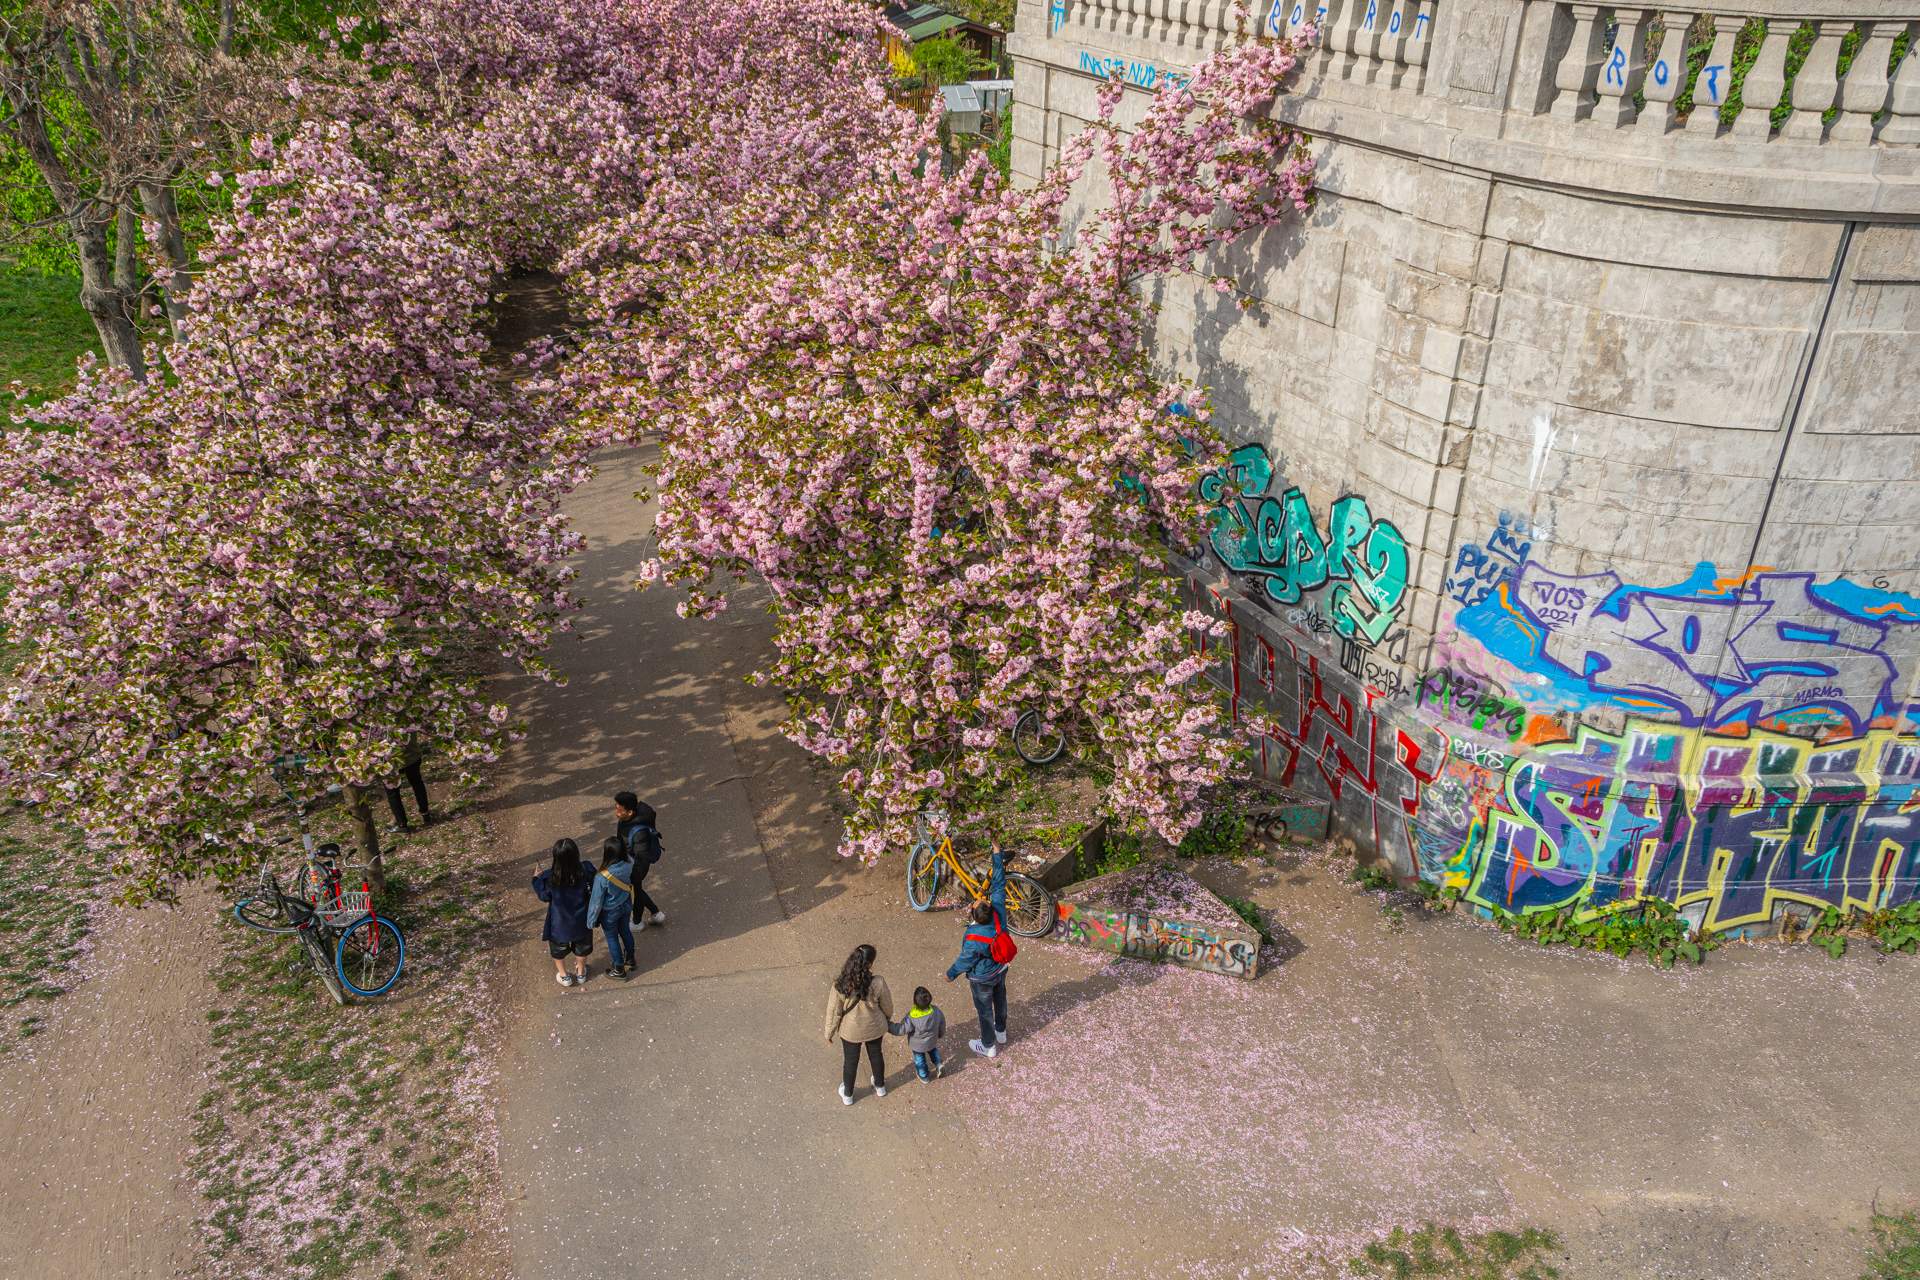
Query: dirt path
x: 97, y: 1111
x: 1143, y: 1119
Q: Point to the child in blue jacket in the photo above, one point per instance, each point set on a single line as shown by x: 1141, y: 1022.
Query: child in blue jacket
x: 986, y: 976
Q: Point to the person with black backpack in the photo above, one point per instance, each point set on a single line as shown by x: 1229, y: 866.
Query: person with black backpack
x: 637, y: 832
x: 986, y: 949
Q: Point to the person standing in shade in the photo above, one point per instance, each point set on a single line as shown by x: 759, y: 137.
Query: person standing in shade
x: 410, y: 773
x: 985, y: 975
x: 564, y: 887
x: 611, y: 905
x: 641, y: 838
x: 859, y: 1012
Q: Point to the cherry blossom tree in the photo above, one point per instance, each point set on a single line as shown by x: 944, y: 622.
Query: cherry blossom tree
x: 315, y: 535
x: 927, y: 419
x: 527, y: 121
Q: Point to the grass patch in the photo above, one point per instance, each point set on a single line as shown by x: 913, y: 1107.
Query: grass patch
x: 47, y: 884
x: 43, y: 329
x: 1449, y: 1254
x: 1896, y: 1247
x: 1251, y: 914
x: 348, y: 1142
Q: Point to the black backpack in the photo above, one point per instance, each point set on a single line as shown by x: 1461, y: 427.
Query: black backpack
x: 643, y: 842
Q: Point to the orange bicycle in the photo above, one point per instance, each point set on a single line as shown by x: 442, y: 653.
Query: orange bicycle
x: 1030, y: 904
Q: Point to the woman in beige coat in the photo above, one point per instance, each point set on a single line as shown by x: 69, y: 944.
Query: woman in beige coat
x: 859, y: 1009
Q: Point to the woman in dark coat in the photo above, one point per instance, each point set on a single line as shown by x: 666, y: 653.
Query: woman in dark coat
x: 565, y: 887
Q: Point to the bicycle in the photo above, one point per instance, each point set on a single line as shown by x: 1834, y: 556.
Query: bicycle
x: 368, y: 950
x: 1031, y: 908
x: 1034, y: 739
x: 354, y: 950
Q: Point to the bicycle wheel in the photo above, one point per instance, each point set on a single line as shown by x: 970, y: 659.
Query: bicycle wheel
x: 1030, y: 906
x: 263, y: 914
x: 322, y: 964
x: 370, y: 955
x: 923, y: 877
x: 1036, y: 741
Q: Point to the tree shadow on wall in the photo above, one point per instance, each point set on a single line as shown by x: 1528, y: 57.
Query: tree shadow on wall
x: 1225, y: 344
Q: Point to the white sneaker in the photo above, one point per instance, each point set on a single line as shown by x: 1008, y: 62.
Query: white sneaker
x: 640, y: 925
x: 981, y: 1049
x: 879, y: 1090
x: 659, y: 917
x: 845, y: 1096
x: 563, y: 979
x: 999, y: 1037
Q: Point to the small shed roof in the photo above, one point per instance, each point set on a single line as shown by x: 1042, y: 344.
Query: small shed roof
x: 960, y: 97
x: 939, y: 24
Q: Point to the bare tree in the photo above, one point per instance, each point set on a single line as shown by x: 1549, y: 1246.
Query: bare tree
x: 115, y: 102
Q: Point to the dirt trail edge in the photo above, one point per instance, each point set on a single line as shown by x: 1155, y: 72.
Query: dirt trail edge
x: 98, y: 1110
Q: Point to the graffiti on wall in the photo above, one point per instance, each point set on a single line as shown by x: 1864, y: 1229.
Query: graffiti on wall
x: 1276, y: 540
x: 1128, y: 70
x: 1479, y: 568
x: 1756, y: 649
x: 1149, y: 937
x: 1729, y: 830
x: 1737, y: 745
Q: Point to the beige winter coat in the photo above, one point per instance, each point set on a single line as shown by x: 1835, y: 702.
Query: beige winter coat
x: 859, y: 1021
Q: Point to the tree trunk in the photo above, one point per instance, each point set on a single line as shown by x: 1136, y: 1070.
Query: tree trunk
x: 99, y: 293
x: 104, y: 301
x: 162, y: 210
x: 126, y: 261
x: 360, y: 809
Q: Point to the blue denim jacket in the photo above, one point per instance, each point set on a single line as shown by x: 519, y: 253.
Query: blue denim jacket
x: 609, y: 901
x: 976, y: 961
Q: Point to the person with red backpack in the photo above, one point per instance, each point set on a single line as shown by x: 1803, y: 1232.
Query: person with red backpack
x: 985, y: 952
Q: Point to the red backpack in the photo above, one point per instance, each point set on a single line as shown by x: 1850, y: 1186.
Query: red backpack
x: 1003, y: 948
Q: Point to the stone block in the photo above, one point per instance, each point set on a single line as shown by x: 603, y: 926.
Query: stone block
x: 1156, y: 913
x: 1682, y: 240
x: 1682, y: 370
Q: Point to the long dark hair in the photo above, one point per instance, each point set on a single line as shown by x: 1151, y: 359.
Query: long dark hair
x: 566, y: 864
x: 613, y: 851
x: 856, y: 975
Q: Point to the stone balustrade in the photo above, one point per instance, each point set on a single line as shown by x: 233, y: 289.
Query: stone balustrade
x: 1794, y: 104
x: 1814, y: 79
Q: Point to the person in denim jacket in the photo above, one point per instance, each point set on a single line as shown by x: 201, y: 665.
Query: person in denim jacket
x: 986, y: 976
x: 611, y: 905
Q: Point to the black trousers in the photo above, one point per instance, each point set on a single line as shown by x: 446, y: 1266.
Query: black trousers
x: 418, y: 784
x: 850, y: 1059
x: 643, y: 903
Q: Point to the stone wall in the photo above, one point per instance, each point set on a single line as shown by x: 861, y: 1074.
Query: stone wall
x: 1572, y: 539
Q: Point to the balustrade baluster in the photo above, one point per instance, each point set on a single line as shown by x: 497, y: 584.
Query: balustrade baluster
x: 1625, y: 64
x: 1766, y: 81
x: 1300, y: 15
x: 1393, y: 49
x: 1817, y: 83
x: 1422, y: 41
x: 1346, y: 36
x: 1579, y: 69
x: 1373, y: 29
x: 1902, y: 125
x: 1666, y: 76
x: 1715, y: 79
x: 1864, y: 90
x: 1328, y: 15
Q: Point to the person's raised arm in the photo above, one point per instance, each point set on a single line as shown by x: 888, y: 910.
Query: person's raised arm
x: 998, y: 890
